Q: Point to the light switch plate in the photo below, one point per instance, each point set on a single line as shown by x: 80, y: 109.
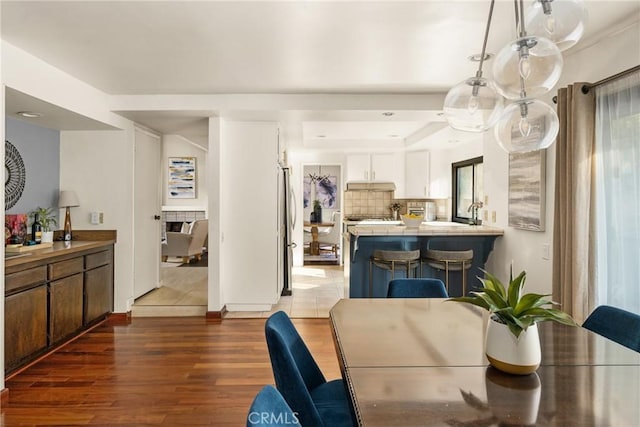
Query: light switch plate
x: 95, y: 218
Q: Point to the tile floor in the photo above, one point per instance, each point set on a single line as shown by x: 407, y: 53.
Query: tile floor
x: 315, y: 289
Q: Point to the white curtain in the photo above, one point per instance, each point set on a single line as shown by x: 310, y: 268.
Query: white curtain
x: 617, y: 193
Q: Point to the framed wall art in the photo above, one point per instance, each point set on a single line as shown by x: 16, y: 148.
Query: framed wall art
x: 527, y: 190
x: 182, y: 178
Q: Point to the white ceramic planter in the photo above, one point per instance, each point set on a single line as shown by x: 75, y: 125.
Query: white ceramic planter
x: 47, y: 236
x: 514, y: 400
x: 509, y: 354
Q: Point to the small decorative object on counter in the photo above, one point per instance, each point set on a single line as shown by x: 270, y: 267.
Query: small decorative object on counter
x: 512, y: 344
x: 395, y: 207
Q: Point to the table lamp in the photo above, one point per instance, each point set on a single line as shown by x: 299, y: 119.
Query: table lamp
x: 67, y: 199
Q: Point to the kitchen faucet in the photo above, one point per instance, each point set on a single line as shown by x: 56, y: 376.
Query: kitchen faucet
x: 475, y: 206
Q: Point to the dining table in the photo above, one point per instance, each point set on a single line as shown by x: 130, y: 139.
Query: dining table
x: 314, y: 246
x: 421, y: 362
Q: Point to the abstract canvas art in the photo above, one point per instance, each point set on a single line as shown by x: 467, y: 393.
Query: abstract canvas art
x: 182, y: 178
x: 527, y: 190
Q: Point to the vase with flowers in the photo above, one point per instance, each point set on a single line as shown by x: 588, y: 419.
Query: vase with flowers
x: 395, y: 208
x: 512, y: 344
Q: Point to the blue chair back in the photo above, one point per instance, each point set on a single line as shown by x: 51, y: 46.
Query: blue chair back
x: 270, y: 409
x: 616, y: 324
x: 294, y: 369
x: 416, y: 288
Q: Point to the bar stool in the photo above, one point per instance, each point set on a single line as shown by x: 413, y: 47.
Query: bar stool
x: 390, y: 260
x: 449, y: 261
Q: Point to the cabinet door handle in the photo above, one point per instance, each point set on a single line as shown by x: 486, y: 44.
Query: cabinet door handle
x: 374, y: 174
x: 366, y: 175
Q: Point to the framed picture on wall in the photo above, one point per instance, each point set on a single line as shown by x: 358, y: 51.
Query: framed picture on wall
x: 527, y: 190
x: 182, y: 178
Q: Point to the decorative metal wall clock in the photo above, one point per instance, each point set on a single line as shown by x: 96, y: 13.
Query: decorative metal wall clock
x: 15, y: 175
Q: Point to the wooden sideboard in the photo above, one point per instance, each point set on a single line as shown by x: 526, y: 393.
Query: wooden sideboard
x: 53, y: 294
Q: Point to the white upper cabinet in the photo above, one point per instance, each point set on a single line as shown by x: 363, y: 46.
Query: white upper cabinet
x: 417, y: 174
x: 387, y: 167
x: 358, y: 167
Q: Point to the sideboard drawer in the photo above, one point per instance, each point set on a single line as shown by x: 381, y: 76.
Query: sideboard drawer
x: 23, y: 279
x: 98, y: 259
x: 66, y: 268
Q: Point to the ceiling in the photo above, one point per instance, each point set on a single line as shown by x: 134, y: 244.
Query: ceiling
x: 275, y: 47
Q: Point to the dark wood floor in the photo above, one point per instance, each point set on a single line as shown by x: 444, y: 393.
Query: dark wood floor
x: 156, y: 371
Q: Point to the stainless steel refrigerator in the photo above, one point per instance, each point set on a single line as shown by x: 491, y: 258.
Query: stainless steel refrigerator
x: 287, y: 223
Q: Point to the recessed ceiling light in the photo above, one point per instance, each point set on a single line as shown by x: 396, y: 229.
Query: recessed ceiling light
x: 476, y: 57
x: 388, y: 113
x: 29, y: 114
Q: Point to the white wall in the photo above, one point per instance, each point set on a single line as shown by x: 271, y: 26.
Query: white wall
x: 178, y: 146
x: 98, y: 165
x: 249, y: 215
x: 616, y: 52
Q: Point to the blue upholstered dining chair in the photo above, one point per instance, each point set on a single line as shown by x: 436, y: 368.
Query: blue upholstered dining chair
x: 416, y: 288
x: 270, y: 409
x: 316, y: 402
x: 616, y: 324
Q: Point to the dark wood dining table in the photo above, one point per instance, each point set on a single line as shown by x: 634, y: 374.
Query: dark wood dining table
x: 421, y: 362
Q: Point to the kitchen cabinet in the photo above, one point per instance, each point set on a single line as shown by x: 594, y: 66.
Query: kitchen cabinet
x: 25, y: 328
x: 53, y: 294
x: 417, y: 178
x: 383, y: 167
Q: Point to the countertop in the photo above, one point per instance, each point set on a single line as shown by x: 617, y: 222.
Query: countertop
x: 425, y: 229
x: 58, y: 248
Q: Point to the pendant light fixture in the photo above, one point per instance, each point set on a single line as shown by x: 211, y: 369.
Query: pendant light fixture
x: 474, y: 104
x: 534, y: 59
x: 561, y: 21
x: 527, y: 125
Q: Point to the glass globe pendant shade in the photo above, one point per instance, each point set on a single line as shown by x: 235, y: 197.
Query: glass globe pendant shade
x: 473, y: 105
x: 561, y: 21
x: 533, y: 61
x: 527, y: 125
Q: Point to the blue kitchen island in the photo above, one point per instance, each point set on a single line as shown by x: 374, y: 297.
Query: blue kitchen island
x: 361, y: 241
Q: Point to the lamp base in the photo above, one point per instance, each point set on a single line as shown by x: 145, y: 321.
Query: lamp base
x: 66, y: 236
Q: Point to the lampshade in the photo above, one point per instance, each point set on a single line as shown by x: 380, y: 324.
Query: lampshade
x: 531, y: 63
x: 68, y: 198
x: 473, y: 105
x: 561, y: 21
x: 527, y: 125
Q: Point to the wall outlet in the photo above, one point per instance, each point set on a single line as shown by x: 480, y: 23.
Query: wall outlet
x: 486, y: 200
x: 546, y: 251
x: 485, y: 216
x: 97, y: 218
x: 493, y: 216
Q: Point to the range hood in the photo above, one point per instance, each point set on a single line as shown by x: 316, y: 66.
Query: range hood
x: 370, y: 186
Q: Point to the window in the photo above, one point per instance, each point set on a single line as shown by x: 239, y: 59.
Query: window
x: 617, y: 194
x: 467, y: 188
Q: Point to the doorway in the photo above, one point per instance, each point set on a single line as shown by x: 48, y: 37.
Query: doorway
x: 181, y: 287
x: 322, y: 214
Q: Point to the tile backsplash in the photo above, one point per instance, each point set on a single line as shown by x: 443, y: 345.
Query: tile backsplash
x: 369, y: 203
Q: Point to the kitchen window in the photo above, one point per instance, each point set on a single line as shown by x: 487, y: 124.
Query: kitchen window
x: 467, y: 188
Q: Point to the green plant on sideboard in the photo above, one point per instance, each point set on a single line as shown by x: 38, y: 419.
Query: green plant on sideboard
x: 45, y: 217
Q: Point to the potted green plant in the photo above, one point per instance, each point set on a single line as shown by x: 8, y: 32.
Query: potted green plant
x: 47, y: 220
x: 512, y: 343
